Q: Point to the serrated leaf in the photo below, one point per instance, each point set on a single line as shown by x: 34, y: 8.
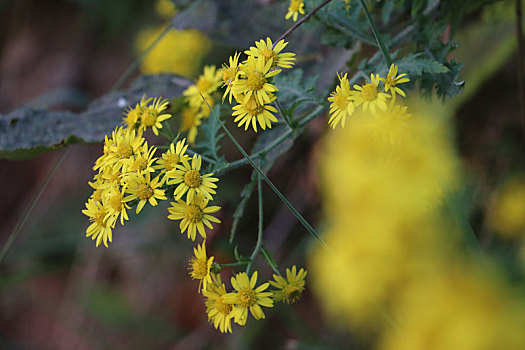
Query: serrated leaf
x: 212, y: 135
x: 416, y: 65
x: 294, y: 90
x: 28, y: 132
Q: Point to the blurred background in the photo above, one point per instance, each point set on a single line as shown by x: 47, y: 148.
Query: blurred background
x: 58, y: 291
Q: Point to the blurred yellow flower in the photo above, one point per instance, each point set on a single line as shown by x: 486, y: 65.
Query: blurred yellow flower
x: 165, y: 9
x: 506, y: 210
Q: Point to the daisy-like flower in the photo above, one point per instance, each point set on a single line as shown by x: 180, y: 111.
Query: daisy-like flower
x: 191, y: 181
x: 392, y: 80
x: 143, y: 188
x: 125, y: 144
x: 132, y: 117
x: 251, y: 112
x: 100, y: 229
x: 105, y: 159
x: 369, y: 96
x: 289, y: 290
x: 218, y: 311
x: 173, y: 156
x: 194, y: 215
x: 200, y: 266
x: 153, y: 114
x: 191, y: 119
x: 142, y: 162
x: 115, y: 205
x: 296, y: 7
x: 256, y: 73
x: 207, y: 83
x: 229, y: 75
x: 342, y: 105
x: 272, y: 54
x: 247, y: 297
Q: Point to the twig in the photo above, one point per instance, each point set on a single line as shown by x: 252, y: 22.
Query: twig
x: 379, y: 40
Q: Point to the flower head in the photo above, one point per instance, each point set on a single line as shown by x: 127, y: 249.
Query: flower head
x: 142, y: 161
x: 255, y: 74
x: 100, y: 229
x: 207, y: 83
x: 369, y: 96
x: 272, y: 54
x: 113, y: 200
x: 191, y: 119
x: 247, y: 297
x: 172, y: 157
x: 391, y: 81
x: 191, y: 181
x: 296, y: 7
x: 200, y: 266
x: 252, y: 112
x: 218, y: 311
x: 289, y: 290
x: 153, y: 114
x: 143, y: 188
x: 342, y: 105
x: 229, y: 75
x: 194, y: 215
x: 131, y: 117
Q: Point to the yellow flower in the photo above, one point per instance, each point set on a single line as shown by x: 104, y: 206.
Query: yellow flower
x: 247, y: 297
x: 131, y: 117
x: 342, y: 105
x: 506, y: 210
x: 167, y: 56
x: 126, y: 143
x: 207, y: 83
x: 296, y: 7
x: 218, y: 311
x: 272, y: 54
x: 165, y: 8
x: 100, y: 229
x: 191, y: 181
x: 369, y: 96
x: 200, y: 266
x: 114, y: 203
x: 251, y: 112
x: 172, y: 157
x: 152, y: 114
x: 229, y: 75
x: 194, y: 215
x: 145, y: 189
x: 141, y: 162
x: 191, y: 119
x: 289, y: 290
x: 391, y: 81
x: 255, y: 74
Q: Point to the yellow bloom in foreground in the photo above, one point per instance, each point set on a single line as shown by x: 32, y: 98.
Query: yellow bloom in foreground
x: 255, y: 74
x: 247, y: 297
x: 296, y: 7
x: 218, y: 311
x: 194, y: 215
x: 392, y: 80
x: 289, y: 290
x: 506, y: 211
x: 391, y: 126
x: 229, y: 75
x: 152, y: 114
x: 272, y: 54
x: 191, y: 181
x: 100, y: 229
x: 200, y: 266
x: 191, y: 120
x: 369, y: 96
x: 342, y: 105
x: 144, y: 189
x: 251, y: 112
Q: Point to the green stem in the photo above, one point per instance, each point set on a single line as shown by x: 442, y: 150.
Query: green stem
x: 285, y: 117
x: 379, y: 40
x: 260, y: 229
x: 206, y: 159
x: 235, y: 264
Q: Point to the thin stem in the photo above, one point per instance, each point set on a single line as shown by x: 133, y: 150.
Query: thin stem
x: 18, y: 228
x: 206, y: 159
x: 272, y: 186
x: 260, y: 229
x: 301, y: 21
x: 235, y: 264
x: 285, y: 117
x: 379, y: 40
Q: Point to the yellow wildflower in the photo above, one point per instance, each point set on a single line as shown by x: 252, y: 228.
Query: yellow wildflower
x: 191, y: 120
x: 200, y: 266
x: 207, y: 83
x: 272, y: 54
x: 218, y: 311
x: 229, y: 75
x: 100, y: 229
x: 369, y: 96
x: 342, y: 105
x: 296, y: 7
x: 143, y: 188
x: 255, y: 74
x: 115, y: 205
x: 251, y: 112
x: 506, y: 210
x: 172, y: 157
x: 165, y: 9
x: 289, y: 290
x: 153, y: 114
x: 391, y: 81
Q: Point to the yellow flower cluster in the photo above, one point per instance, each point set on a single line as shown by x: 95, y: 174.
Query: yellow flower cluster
x: 296, y: 7
x: 126, y: 173
x: 222, y: 306
x: 250, y: 82
x: 369, y: 96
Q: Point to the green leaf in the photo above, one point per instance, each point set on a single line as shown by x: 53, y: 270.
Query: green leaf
x: 416, y: 65
x: 268, y: 256
x: 294, y: 91
x: 27, y: 132
x: 212, y: 135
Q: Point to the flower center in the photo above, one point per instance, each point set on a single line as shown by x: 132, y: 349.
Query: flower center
x: 192, y: 178
x: 193, y: 213
x: 149, y: 117
x: 171, y: 160
x: 269, y: 54
x: 132, y: 118
x: 247, y: 297
x: 223, y: 308
x: 341, y: 101
x: 255, y: 81
x: 97, y: 195
x: 124, y: 151
x: 116, y: 202
x: 204, y: 84
x: 253, y: 107
x: 144, y: 192
x: 140, y: 164
x: 291, y: 294
x: 229, y: 75
x: 200, y: 268
x: 99, y: 217
x: 369, y: 92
